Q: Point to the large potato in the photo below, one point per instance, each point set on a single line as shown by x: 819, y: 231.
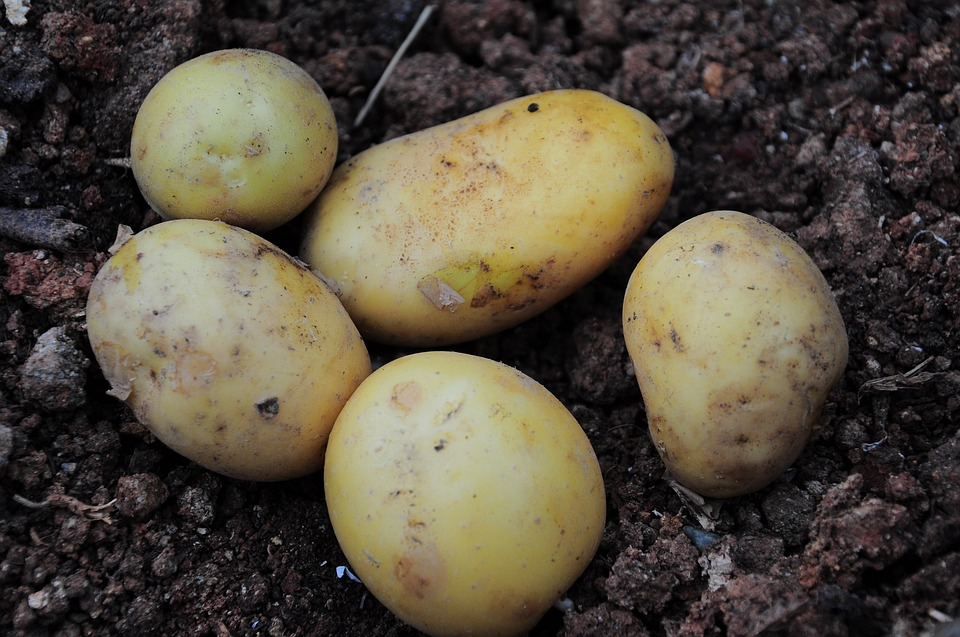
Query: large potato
x: 464, y: 494
x: 473, y: 226
x: 736, y: 340
x: 242, y: 136
x: 232, y: 353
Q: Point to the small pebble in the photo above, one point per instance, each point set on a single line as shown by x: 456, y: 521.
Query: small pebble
x: 700, y: 538
x: 53, y: 376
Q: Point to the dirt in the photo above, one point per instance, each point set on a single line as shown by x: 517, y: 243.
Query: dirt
x: 837, y: 122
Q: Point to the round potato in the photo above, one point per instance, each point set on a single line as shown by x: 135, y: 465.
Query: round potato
x: 227, y: 349
x: 242, y: 136
x: 736, y: 340
x: 463, y: 493
x: 476, y: 225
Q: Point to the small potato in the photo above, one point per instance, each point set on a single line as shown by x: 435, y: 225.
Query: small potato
x: 736, y: 340
x: 464, y: 494
x: 228, y: 350
x: 241, y: 136
x: 473, y: 226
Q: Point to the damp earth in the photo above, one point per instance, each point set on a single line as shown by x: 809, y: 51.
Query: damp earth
x: 839, y: 123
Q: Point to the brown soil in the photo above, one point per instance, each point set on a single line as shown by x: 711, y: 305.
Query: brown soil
x: 837, y: 122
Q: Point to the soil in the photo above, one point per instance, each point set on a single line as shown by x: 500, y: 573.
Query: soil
x: 837, y: 122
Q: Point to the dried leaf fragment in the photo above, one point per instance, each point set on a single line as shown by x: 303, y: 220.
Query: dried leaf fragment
x: 439, y: 293
x: 124, y: 233
x: 911, y: 378
x: 706, y: 510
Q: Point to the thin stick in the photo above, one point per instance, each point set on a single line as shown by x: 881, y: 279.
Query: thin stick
x: 422, y: 20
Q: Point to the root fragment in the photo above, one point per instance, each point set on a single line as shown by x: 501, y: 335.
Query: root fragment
x: 96, y: 512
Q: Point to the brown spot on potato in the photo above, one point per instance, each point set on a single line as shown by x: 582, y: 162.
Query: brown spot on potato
x: 407, y: 395
x: 452, y: 410
x: 408, y: 573
x: 675, y: 338
x: 193, y: 370
x: 484, y: 295
x: 268, y: 408
x: 521, y: 305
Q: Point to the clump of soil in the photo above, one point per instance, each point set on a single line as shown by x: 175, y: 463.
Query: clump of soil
x: 837, y: 122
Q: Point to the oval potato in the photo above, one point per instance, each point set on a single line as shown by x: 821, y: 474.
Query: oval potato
x: 239, y: 135
x: 464, y: 494
x: 476, y: 225
x: 736, y: 340
x: 229, y: 351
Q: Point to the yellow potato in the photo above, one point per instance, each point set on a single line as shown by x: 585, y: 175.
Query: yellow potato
x: 463, y: 493
x: 476, y: 225
x: 736, y: 340
x: 231, y: 352
x: 242, y: 136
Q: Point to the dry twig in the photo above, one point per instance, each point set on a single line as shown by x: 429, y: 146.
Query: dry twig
x: 422, y: 20
x: 44, y: 227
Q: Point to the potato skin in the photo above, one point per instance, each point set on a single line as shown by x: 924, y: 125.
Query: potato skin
x: 476, y: 225
x: 240, y: 135
x: 465, y: 496
x: 228, y: 350
x: 736, y: 340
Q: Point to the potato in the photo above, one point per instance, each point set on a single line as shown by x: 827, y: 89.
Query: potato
x: 736, y: 340
x: 227, y: 349
x: 240, y: 135
x: 463, y: 493
x: 476, y: 225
